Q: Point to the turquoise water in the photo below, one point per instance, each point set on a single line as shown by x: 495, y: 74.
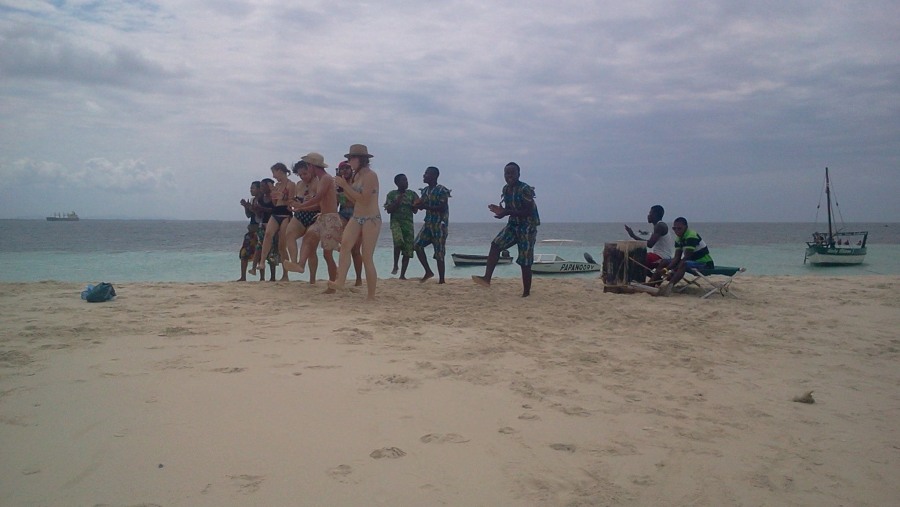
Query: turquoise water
x: 187, y: 251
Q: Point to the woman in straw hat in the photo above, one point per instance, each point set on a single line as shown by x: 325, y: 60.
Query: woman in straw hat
x: 365, y: 224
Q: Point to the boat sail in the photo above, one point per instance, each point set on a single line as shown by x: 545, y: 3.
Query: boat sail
x: 836, y: 247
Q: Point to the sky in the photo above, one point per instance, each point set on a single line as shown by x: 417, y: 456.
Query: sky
x: 721, y: 111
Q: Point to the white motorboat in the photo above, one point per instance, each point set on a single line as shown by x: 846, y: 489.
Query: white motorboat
x: 554, y: 264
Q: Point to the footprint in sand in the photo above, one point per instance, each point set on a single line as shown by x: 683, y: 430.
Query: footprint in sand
x: 449, y: 438
x: 232, y: 369
x: 247, y: 484
x: 506, y: 430
x: 563, y: 447
x: 388, y: 452
x: 341, y: 473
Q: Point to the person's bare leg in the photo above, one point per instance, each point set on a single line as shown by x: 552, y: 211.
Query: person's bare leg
x: 403, y: 265
x: 313, y: 264
x: 440, y: 266
x: 282, y: 251
x: 271, y: 230
x: 396, y: 260
x: 293, y: 232
x: 493, y: 257
x: 369, y: 239
x: 358, y: 263
x: 526, y: 281
x: 329, y: 261
x: 423, y: 259
x: 348, y: 241
x: 307, y: 250
x: 243, y: 277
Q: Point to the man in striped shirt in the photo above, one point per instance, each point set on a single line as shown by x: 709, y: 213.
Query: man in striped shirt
x: 690, y: 252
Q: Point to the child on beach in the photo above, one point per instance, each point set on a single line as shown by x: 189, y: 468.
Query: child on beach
x: 248, y: 250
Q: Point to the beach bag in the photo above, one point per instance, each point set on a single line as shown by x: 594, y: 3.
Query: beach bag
x: 103, y: 291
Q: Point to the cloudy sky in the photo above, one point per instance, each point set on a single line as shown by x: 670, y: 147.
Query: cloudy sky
x: 718, y: 110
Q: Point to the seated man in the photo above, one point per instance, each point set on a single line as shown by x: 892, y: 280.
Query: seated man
x: 660, y: 242
x: 690, y: 252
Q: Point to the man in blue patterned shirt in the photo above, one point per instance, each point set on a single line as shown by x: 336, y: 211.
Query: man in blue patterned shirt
x: 521, y: 228
x: 437, y: 217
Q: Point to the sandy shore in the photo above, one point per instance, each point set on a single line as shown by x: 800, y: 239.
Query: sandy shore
x: 274, y: 394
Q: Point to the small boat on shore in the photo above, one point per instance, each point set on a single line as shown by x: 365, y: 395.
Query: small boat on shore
x: 552, y: 264
x: 836, y: 247
x: 461, y: 260
x: 63, y: 217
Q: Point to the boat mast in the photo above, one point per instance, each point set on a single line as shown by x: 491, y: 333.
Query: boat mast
x: 828, y: 198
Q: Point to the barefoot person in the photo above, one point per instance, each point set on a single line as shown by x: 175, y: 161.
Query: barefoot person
x: 248, y: 250
x: 262, y: 206
x: 281, y: 197
x: 365, y: 224
x: 301, y: 220
x: 399, y: 205
x: 437, y: 219
x: 327, y: 227
x: 521, y: 228
x: 345, y: 210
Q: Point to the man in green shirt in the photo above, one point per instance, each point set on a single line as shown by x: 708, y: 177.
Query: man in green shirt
x: 399, y: 205
x: 690, y: 252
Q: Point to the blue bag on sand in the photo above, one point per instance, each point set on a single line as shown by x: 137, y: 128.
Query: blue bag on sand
x: 103, y: 291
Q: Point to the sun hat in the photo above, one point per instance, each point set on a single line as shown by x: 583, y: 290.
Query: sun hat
x: 316, y: 159
x: 358, y: 150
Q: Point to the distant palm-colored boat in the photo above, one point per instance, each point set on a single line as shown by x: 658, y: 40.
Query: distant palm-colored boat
x: 63, y: 217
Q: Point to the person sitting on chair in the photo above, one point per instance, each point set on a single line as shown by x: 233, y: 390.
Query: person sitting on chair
x: 660, y: 242
x: 690, y: 252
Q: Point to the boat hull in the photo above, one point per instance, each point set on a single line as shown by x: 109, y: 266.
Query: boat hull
x: 825, y: 256
x: 462, y: 260
x: 564, y: 267
x: 61, y: 219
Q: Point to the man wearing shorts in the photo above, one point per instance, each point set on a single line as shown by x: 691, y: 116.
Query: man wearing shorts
x: 437, y: 218
x: 399, y: 205
x: 521, y: 228
x: 328, y: 227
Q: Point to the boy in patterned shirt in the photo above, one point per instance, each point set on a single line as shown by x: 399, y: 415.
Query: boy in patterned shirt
x: 437, y: 217
x: 399, y: 205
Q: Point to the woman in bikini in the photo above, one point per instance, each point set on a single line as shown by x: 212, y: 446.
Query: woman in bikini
x: 282, y: 195
x: 365, y: 224
x: 345, y: 209
x: 296, y: 228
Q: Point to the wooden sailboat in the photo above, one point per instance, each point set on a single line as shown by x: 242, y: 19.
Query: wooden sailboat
x: 836, y: 247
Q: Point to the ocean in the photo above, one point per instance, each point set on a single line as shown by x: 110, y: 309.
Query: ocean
x: 91, y: 251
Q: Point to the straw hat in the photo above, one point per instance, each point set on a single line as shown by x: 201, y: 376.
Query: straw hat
x: 358, y: 150
x: 316, y: 159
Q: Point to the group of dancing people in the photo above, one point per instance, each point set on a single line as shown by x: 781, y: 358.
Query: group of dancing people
x: 338, y: 212
x: 342, y: 213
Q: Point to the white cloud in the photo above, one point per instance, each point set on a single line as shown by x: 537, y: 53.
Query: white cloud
x: 129, y: 176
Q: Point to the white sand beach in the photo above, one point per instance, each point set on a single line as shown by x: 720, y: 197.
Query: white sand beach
x: 220, y: 394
